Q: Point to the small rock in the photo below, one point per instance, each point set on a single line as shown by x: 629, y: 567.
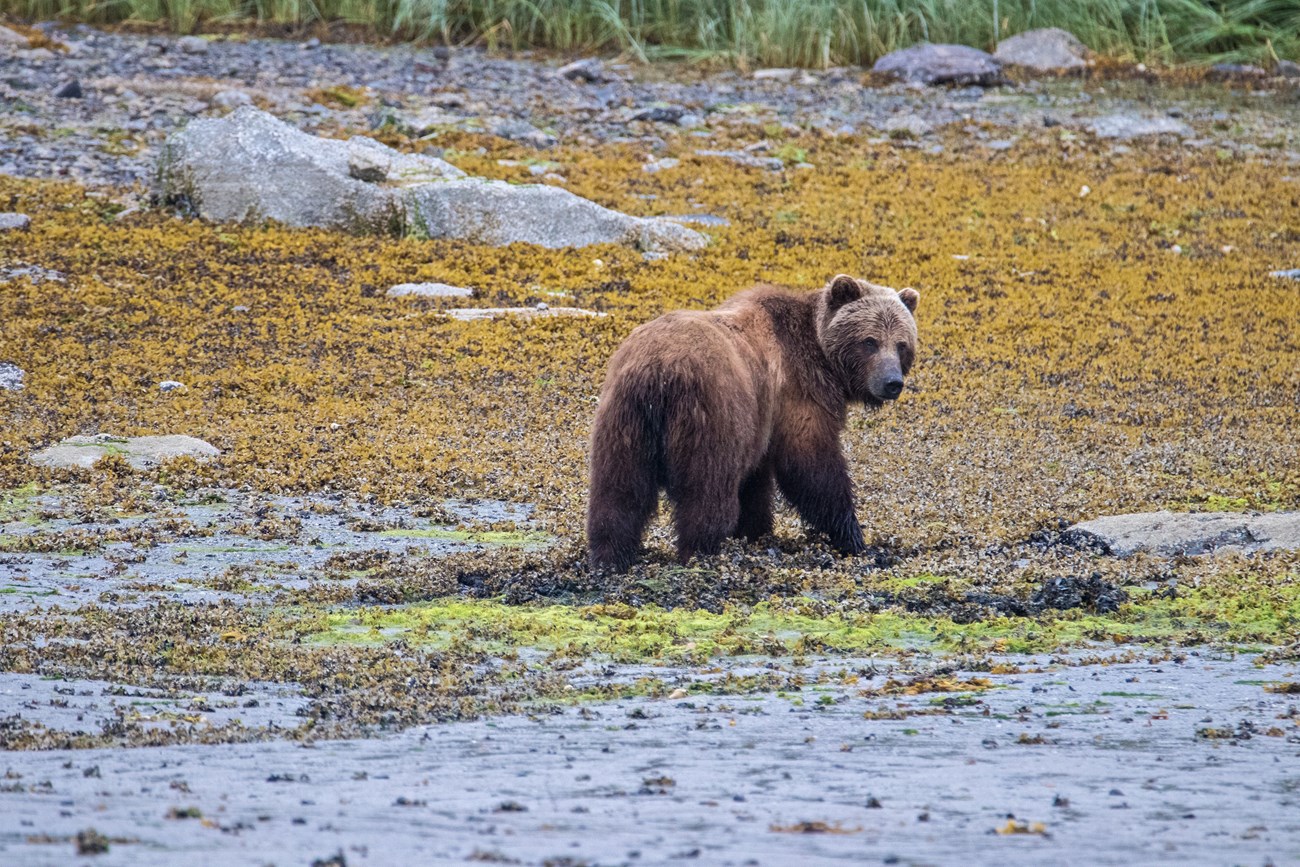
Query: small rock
x: 419, y: 123
x: 11, y: 377
x: 193, y: 45
x: 310, y: 44
x: 1287, y: 274
x: 1050, y: 49
x: 12, y: 37
x: 940, y: 64
x: 70, y: 90
x: 170, y: 385
x: 744, y: 159
x: 35, y: 273
x: 907, y: 126
x: 14, y: 222
x: 521, y: 131
x: 659, y: 113
x: 428, y: 290
x: 470, y: 314
x: 36, y: 55
x: 589, y: 69
x: 661, y: 164
x: 448, y: 99
x: 1235, y: 72
x: 690, y: 119
x: 91, y: 842
x: 1287, y: 69
x: 1129, y: 126
x: 81, y: 452
x: 231, y: 99
x: 775, y: 74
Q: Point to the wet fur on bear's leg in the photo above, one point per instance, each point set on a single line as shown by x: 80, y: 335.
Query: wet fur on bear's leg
x: 625, y: 483
x: 815, y: 479
x: 756, y: 505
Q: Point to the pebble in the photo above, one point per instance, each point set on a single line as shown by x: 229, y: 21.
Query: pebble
x: 170, y: 385
x: 589, y: 69
x: 231, y: 99
x: 1288, y: 274
x: 35, y: 273
x: 428, y: 290
x: 662, y: 113
x: 470, y: 314
x: 745, y: 159
x: 14, y: 222
x: 12, y: 37
x: 11, y: 377
x: 70, y: 90
x: 661, y: 164
x: 193, y: 45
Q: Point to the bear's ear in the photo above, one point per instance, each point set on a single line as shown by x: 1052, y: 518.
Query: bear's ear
x: 843, y: 289
x: 909, y: 297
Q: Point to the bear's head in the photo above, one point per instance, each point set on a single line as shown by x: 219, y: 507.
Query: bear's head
x: 868, y: 335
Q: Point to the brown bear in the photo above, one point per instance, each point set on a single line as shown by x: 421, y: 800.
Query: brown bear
x: 716, y: 406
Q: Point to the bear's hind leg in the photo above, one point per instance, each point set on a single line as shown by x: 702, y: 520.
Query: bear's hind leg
x: 625, y: 478
x: 617, y: 520
x: 704, y: 487
x: 704, y: 517
x: 756, y: 505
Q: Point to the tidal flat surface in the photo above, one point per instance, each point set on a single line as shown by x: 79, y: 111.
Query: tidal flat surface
x: 1073, y: 760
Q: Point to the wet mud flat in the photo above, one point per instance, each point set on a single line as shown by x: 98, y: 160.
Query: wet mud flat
x: 1122, y: 758
x: 214, y: 544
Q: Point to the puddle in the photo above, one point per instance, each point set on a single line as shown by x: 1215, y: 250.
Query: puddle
x: 223, y: 545
x: 93, y: 706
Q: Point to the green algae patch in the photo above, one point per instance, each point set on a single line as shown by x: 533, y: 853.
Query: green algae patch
x: 624, y: 633
x: 17, y: 504
x: 497, y: 538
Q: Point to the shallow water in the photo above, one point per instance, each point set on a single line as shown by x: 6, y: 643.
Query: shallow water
x: 1121, y: 776
x: 222, y: 534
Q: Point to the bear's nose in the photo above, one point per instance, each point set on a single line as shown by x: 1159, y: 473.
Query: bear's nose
x: 893, y: 388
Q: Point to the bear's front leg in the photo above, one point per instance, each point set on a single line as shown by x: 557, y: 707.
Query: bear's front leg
x: 814, y: 477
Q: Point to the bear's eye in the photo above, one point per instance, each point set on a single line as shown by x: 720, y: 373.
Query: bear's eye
x: 870, y: 345
x: 902, y: 349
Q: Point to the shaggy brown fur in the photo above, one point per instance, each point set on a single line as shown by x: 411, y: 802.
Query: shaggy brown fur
x: 717, y: 407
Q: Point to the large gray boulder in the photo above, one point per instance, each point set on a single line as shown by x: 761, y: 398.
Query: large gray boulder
x: 940, y: 64
x: 1050, y: 49
x: 81, y: 452
x: 495, y: 212
x: 248, y: 166
x: 1190, y: 533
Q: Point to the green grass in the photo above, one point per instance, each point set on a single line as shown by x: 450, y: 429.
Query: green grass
x: 815, y: 33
